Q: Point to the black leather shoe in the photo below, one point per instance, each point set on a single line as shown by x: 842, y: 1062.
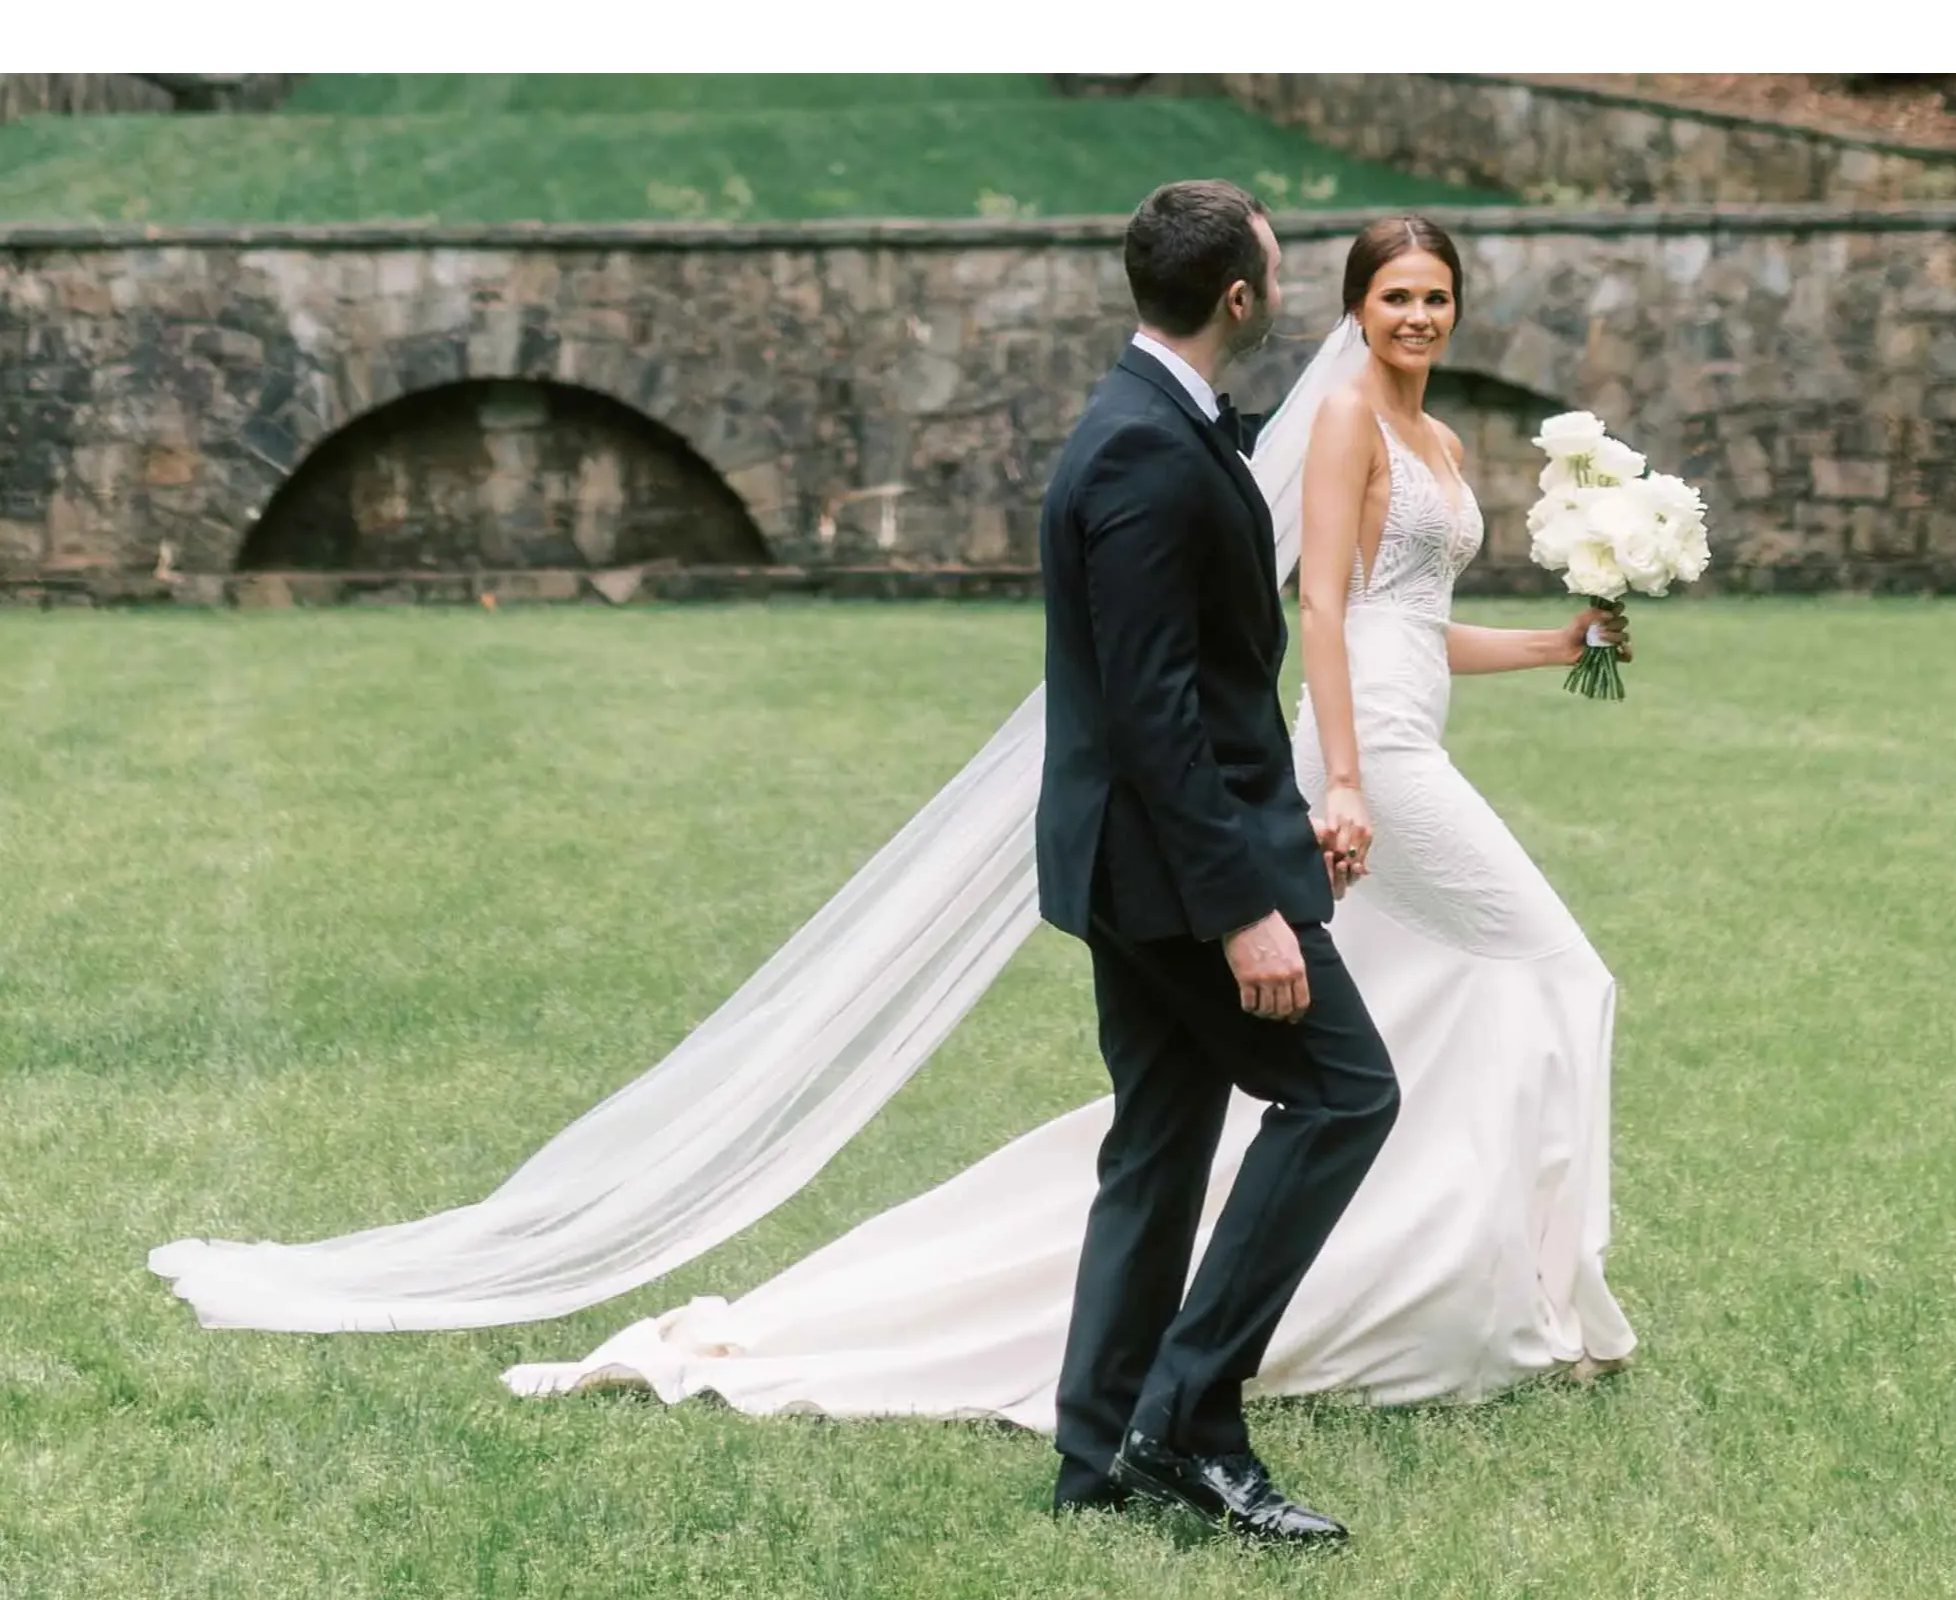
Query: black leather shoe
x: 1232, y: 1492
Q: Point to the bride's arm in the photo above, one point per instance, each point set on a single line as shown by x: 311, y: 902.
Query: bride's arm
x: 1343, y: 439
x: 1473, y: 650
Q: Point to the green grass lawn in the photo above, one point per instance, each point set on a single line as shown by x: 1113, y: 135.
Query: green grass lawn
x: 461, y: 150
x: 387, y: 93
x: 320, y: 920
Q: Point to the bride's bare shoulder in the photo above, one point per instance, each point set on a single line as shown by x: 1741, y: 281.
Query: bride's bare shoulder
x: 1345, y: 421
x: 1347, y: 405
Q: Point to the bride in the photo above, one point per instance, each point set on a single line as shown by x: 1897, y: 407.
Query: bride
x: 1472, y: 1257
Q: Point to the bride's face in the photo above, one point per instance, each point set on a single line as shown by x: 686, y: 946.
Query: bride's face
x: 1409, y: 311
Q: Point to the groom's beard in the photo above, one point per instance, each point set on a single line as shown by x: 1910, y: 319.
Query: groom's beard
x: 1253, y: 335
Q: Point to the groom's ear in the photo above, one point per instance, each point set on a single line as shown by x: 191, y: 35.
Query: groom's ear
x: 1239, y: 299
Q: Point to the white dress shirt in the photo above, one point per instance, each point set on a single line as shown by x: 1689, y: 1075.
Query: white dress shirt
x: 1197, y: 385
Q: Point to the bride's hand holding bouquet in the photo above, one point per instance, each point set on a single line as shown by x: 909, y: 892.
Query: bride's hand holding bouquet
x: 1609, y: 528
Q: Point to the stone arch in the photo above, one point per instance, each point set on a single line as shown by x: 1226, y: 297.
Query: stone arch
x: 488, y: 472
x: 1497, y: 421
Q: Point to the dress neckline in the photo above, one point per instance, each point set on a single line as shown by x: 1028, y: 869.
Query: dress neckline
x: 1456, y: 500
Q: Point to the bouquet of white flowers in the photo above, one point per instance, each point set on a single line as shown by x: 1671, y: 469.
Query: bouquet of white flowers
x: 1608, y: 528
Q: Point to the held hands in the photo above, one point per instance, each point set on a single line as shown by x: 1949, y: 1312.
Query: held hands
x: 1345, y: 832
x: 1269, y: 970
x: 1611, y: 622
x: 1264, y: 957
x: 1342, y: 869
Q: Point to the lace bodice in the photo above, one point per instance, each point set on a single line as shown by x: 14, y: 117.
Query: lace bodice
x: 1426, y: 543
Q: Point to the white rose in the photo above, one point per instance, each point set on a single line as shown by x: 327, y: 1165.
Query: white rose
x: 1675, y: 489
x: 1671, y: 533
x: 1572, y: 434
x: 1673, y: 499
x: 1593, y: 572
x: 1680, y: 516
x: 1644, y: 560
x: 1557, y: 535
x: 1549, y: 507
x: 1614, y: 462
x: 1613, y: 511
x: 1558, y: 524
x: 1558, y: 478
x: 1692, y: 556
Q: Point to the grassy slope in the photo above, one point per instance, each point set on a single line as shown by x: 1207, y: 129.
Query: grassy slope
x: 462, y: 149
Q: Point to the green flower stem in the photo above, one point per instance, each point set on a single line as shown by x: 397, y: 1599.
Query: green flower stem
x: 1597, y: 675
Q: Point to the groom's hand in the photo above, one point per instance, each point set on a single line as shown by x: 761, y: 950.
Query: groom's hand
x: 1269, y: 970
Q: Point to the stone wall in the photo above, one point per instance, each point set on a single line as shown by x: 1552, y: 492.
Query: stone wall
x: 27, y: 94
x: 896, y: 394
x: 1561, y: 143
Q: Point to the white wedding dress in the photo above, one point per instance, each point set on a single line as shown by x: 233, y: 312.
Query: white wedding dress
x: 1472, y: 1257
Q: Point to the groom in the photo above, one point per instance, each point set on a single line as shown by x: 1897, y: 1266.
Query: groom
x: 1173, y: 840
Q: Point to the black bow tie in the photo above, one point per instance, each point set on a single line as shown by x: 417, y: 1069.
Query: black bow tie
x: 1239, y: 428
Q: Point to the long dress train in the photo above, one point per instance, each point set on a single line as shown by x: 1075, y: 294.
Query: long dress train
x: 1472, y: 1257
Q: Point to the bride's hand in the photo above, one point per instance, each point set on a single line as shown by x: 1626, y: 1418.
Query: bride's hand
x: 1614, y: 625
x: 1339, y: 869
x: 1347, y: 827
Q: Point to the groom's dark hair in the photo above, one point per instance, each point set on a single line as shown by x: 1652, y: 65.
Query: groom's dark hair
x: 1186, y: 244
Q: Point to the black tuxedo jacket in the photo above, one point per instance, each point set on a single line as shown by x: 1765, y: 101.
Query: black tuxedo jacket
x: 1169, y: 803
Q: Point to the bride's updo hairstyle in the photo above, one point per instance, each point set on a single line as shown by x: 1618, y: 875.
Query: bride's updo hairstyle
x: 1392, y: 237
